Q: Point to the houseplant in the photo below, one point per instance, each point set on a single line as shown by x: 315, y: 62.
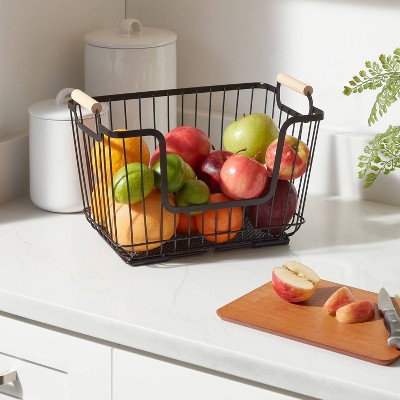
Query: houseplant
x: 382, y: 153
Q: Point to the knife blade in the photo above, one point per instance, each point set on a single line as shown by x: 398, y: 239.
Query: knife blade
x: 390, y: 318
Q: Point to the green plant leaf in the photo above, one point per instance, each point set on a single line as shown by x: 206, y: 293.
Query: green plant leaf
x: 382, y: 154
x: 347, y: 91
x: 383, y: 75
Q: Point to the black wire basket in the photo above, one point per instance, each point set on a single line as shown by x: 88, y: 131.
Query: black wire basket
x: 151, y: 230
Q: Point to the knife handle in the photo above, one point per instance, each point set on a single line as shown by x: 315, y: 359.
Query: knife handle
x: 392, y: 324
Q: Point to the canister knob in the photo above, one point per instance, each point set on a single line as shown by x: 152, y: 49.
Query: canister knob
x: 130, y: 26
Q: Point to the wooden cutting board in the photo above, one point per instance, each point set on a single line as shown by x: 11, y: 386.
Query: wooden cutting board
x: 306, y: 322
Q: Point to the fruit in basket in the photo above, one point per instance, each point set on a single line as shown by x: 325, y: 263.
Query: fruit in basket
x: 150, y: 223
x: 189, y: 173
x: 339, y: 298
x: 132, y: 182
x: 210, y: 168
x: 294, y: 159
x: 193, y: 192
x: 358, y: 311
x: 273, y: 215
x: 294, y: 281
x: 176, y: 172
x: 187, y: 225
x: 253, y: 133
x: 242, y: 177
x: 189, y: 142
x: 220, y: 225
x: 135, y: 149
x: 100, y: 201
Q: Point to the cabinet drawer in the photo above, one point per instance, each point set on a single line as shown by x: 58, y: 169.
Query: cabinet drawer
x: 138, y: 376
x: 34, y: 381
x: 51, y: 364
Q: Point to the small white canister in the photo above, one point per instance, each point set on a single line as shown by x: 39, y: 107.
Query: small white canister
x: 54, y: 179
x: 132, y: 58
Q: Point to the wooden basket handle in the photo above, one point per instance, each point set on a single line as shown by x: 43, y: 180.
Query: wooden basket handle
x: 294, y: 84
x: 86, y: 101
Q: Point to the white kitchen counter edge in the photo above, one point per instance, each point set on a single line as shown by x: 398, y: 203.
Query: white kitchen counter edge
x: 191, y: 352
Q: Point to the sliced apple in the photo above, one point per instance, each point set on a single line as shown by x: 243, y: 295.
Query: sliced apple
x: 359, y: 311
x: 294, y: 281
x: 339, y: 298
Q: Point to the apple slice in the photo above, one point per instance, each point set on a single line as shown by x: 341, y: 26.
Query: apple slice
x: 359, y: 311
x: 339, y: 298
x: 294, y: 281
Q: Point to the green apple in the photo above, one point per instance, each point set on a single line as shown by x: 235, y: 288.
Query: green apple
x: 193, y: 192
x: 252, y: 134
x: 129, y: 181
x: 176, y: 172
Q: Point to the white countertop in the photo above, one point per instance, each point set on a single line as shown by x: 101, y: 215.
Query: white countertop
x: 57, y: 270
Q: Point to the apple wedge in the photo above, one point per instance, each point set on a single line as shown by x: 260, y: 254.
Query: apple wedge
x: 359, y: 311
x: 294, y: 281
x: 339, y: 298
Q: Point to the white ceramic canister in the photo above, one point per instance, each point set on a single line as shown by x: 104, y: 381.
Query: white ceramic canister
x: 54, y: 179
x: 133, y: 58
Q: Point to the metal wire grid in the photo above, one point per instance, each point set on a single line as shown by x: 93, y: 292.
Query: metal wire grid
x: 213, y: 107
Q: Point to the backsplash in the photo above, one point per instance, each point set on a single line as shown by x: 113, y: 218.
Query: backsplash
x: 14, y: 166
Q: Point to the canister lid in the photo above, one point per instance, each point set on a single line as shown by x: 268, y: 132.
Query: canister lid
x: 56, y: 109
x: 130, y: 35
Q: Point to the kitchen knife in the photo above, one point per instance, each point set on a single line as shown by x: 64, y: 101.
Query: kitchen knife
x: 390, y: 318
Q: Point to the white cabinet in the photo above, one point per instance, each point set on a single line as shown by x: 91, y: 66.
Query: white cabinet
x: 51, y: 364
x: 58, y: 365
x: 139, y: 376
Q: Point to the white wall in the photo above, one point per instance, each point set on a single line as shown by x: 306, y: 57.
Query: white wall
x: 219, y: 41
x: 322, y: 42
x: 41, y: 44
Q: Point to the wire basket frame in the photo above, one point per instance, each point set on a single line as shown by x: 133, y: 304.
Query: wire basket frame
x: 147, y: 116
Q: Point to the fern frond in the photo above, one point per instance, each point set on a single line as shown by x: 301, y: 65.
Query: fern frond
x: 382, y: 154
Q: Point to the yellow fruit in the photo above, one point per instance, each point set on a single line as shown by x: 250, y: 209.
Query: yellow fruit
x: 152, y: 225
x: 100, y: 203
x: 136, y: 150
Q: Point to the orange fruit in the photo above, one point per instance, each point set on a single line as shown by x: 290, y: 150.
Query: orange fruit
x: 220, y: 225
x: 138, y: 226
x: 100, y: 203
x: 136, y: 150
x: 183, y: 225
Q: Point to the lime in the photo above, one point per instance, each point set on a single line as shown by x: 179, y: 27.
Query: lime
x: 132, y: 183
x: 175, y: 172
x: 193, y: 192
x: 189, y: 173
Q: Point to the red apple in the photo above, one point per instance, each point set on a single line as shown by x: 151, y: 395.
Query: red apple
x: 339, y: 298
x: 294, y: 158
x: 294, y: 281
x: 273, y: 215
x: 190, y: 143
x: 210, y: 168
x: 242, y: 177
x: 359, y: 311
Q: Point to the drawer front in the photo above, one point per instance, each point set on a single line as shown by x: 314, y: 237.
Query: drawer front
x: 33, y: 381
x: 51, y: 364
x: 137, y: 376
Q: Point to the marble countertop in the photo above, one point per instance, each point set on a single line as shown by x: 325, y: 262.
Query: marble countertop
x: 57, y: 270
